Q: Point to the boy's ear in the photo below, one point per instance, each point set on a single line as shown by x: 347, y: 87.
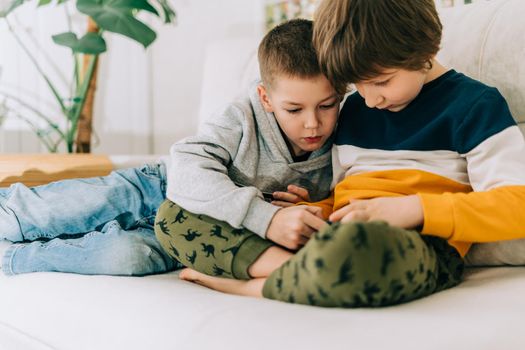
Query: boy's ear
x: 265, y: 100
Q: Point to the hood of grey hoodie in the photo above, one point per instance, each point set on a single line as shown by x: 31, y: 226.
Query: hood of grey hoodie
x: 315, y: 173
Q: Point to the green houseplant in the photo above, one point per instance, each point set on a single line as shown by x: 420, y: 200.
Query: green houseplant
x: 75, y: 106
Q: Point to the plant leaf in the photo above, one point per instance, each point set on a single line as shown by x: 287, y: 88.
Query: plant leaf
x: 66, y: 39
x: 47, y: 2
x: 43, y: 2
x: 134, y: 5
x: 167, y: 10
x: 5, y: 10
x: 91, y: 43
x: 117, y: 16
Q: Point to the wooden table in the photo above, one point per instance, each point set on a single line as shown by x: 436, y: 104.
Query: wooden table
x: 38, y: 169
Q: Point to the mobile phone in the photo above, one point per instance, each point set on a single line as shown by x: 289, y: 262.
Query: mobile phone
x: 268, y: 196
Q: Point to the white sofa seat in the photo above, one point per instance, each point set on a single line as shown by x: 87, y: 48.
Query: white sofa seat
x: 47, y: 311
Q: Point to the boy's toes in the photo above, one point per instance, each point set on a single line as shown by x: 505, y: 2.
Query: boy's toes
x: 190, y: 275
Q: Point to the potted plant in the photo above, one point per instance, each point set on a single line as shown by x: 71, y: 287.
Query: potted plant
x: 102, y: 18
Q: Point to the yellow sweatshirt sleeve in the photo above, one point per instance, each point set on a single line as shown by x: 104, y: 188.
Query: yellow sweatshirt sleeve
x: 472, y: 217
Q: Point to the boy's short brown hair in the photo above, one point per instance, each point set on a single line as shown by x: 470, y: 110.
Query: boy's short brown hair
x: 356, y: 39
x: 287, y: 50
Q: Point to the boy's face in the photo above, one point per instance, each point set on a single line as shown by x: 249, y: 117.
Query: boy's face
x: 393, y: 89
x: 306, y: 109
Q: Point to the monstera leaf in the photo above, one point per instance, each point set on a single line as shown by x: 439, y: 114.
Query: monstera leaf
x: 168, y: 12
x: 118, y: 16
x: 91, y: 43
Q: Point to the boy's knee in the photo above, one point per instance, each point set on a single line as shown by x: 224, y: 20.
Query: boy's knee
x: 169, y: 217
x: 175, y: 229
x: 363, y: 264
x: 376, y: 241
x: 165, y: 229
x: 370, y: 237
x: 135, y: 257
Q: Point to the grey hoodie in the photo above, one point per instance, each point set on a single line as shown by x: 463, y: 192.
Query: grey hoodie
x: 235, y: 156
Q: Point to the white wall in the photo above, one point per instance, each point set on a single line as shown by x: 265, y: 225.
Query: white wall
x: 18, y: 79
x: 122, y: 117
x: 123, y: 113
x: 178, y: 58
x: 146, y: 100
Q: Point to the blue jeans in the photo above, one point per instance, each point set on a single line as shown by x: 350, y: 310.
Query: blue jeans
x: 101, y: 225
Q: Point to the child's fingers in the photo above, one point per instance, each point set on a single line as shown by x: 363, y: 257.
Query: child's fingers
x: 307, y: 232
x: 362, y: 204
x: 303, y: 240
x: 283, y: 204
x: 340, y: 213
x: 356, y: 215
x: 300, y: 192
x: 355, y: 204
x: 286, y: 197
x: 313, y: 220
x: 317, y: 211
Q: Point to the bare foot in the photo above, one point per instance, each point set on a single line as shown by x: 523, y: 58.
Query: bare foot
x: 251, y: 287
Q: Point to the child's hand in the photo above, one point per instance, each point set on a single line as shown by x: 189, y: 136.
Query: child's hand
x: 405, y: 212
x: 292, y: 227
x: 294, y: 195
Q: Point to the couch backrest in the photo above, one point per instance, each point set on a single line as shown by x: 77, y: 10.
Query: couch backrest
x: 486, y: 41
x: 229, y: 67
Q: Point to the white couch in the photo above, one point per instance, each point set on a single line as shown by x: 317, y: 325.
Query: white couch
x: 487, y: 311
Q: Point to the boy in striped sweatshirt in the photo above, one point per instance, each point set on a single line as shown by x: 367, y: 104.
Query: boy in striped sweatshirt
x: 426, y: 162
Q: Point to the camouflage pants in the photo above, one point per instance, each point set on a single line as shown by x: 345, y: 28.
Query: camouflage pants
x: 345, y: 265
x: 205, y: 244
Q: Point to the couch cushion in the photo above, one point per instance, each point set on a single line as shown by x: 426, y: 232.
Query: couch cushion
x: 230, y: 66
x: 485, y: 41
x: 44, y: 311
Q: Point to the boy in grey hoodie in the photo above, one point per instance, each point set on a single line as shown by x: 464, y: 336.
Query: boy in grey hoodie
x: 272, y: 146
